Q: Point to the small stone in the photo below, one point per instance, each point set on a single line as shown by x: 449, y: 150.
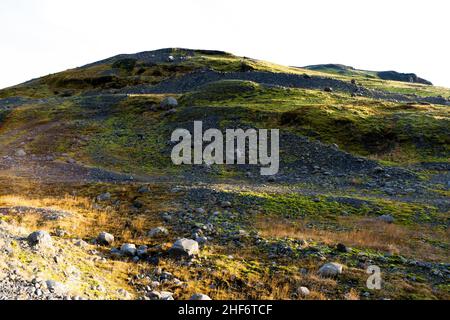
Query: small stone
x: 143, y: 189
x: 166, y: 275
x: 184, y: 247
x: 225, y: 204
x: 116, y: 252
x: 386, y: 218
x: 20, y: 153
x: 158, y: 232
x: 60, y: 232
x: 154, y: 295
x: 199, y: 296
x: 242, y: 233
x: 200, y: 210
x: 55, y: 287
x: 166, y: 217
x: 138, y: 204
x: 157, y: 295
x: 377, y: 169
x: 142, y: 251
x: 169, y: 103
x: 170, y: 112
x: 331, y: 269
x: 124, y: 293
x: 341, y: 248
x: 165, y: 295
x: 201, y: 239
x: 81, y: 243
x: 303, y: 291
x: 105, y: 238
x: 128, y: 249
x: 176, y: 190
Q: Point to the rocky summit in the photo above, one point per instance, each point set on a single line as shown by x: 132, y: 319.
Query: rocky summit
x: 93, y: 207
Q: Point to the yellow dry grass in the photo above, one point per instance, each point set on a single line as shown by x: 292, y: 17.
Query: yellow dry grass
x: 86, y: 218
x: 363, y: 233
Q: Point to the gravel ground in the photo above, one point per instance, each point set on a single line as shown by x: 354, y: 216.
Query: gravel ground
x: 195, y: 80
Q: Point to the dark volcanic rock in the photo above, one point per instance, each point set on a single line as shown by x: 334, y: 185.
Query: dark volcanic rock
x: 403, y: 77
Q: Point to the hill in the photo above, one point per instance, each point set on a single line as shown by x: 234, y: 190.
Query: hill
x: 363, y: 180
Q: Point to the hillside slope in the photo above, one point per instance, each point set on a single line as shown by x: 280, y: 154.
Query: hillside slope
x: 364, y: 179
x: 384, y: 75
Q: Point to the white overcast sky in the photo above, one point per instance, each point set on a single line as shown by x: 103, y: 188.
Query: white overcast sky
x: 39, y: 37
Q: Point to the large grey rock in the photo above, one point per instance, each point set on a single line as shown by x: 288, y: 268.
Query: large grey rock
x: 128, y: 249
x: 40, y: 239
x: 184, y: 247
x: 169, y: 103
x: 331, y: 269
x: 158, y: 232
x: 105, y: 238
x: 200, y: 296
